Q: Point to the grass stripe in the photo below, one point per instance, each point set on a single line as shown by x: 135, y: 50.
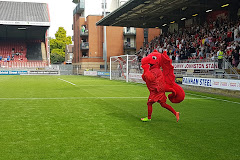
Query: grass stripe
x: 42, y: 98
x: 43, y: 117
x: 73, y: 98
x: 206, y: 97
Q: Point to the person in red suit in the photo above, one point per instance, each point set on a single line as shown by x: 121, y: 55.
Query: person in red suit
x: 159, y: 77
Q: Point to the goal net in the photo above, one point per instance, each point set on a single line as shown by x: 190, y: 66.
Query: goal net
x: 126, y: 67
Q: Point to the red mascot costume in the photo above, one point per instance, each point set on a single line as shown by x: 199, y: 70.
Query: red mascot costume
x: 159, y: 77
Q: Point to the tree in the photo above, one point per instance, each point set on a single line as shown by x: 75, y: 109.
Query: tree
x: 58, y: 45
x: 56, y: 58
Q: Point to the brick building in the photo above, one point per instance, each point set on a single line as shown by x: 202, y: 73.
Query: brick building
x: 89, y: 38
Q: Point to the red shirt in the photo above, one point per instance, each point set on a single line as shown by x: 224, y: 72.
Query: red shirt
x: 229, y: 34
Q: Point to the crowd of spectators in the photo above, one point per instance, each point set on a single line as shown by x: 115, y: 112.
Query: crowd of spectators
x: 199, y: 42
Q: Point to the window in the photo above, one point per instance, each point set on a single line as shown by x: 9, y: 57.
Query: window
x: 102, y: 66
x: 84, y: 54
x: 103, y: 5
x: 106, y: 13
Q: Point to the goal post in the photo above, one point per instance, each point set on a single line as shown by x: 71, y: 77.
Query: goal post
x: 126, y: 67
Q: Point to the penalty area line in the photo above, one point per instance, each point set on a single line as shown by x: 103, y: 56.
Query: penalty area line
x: 67, y: 81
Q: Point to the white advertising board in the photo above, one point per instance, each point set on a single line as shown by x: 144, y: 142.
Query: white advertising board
x: 25, y: 23
x: 212, y: 83
x: 206, y: 66
x: 90, y: 73
x: 135, y: 76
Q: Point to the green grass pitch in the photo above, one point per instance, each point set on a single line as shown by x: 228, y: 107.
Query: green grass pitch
x: 77, y: 117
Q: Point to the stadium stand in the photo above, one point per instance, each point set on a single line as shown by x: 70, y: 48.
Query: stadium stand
x: 198, y: 42
x: 23, y: 37
x: 193, y: 31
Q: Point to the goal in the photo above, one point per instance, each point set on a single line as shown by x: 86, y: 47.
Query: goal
x: 126, y: 67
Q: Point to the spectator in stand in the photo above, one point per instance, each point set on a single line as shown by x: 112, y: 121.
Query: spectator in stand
x: 220, y: 57
x: 235, y: 58
x: 229, y: 55
x: 177, y: 56
x: 212, y: 57
x: 208, y: 51
x: 206, y: 38
x: 237, y: 47
x: 235, y: 33
x: 229, y: 35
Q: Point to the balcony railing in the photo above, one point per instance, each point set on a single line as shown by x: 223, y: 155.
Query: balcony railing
x: 79, y: 8
x: 129, y: 32
x: 76, y: 1
x: 84, y: 33
x: 84, y: 45
x: 128, y: 45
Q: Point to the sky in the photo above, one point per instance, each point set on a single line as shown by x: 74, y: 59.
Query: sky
x: 61, y: 14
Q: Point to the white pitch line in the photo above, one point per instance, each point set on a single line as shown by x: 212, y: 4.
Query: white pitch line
x: 73, y: 98
x: 67, y: 81
x: 205, y: 97
x: 55, y: 98
x: 64, y: 98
